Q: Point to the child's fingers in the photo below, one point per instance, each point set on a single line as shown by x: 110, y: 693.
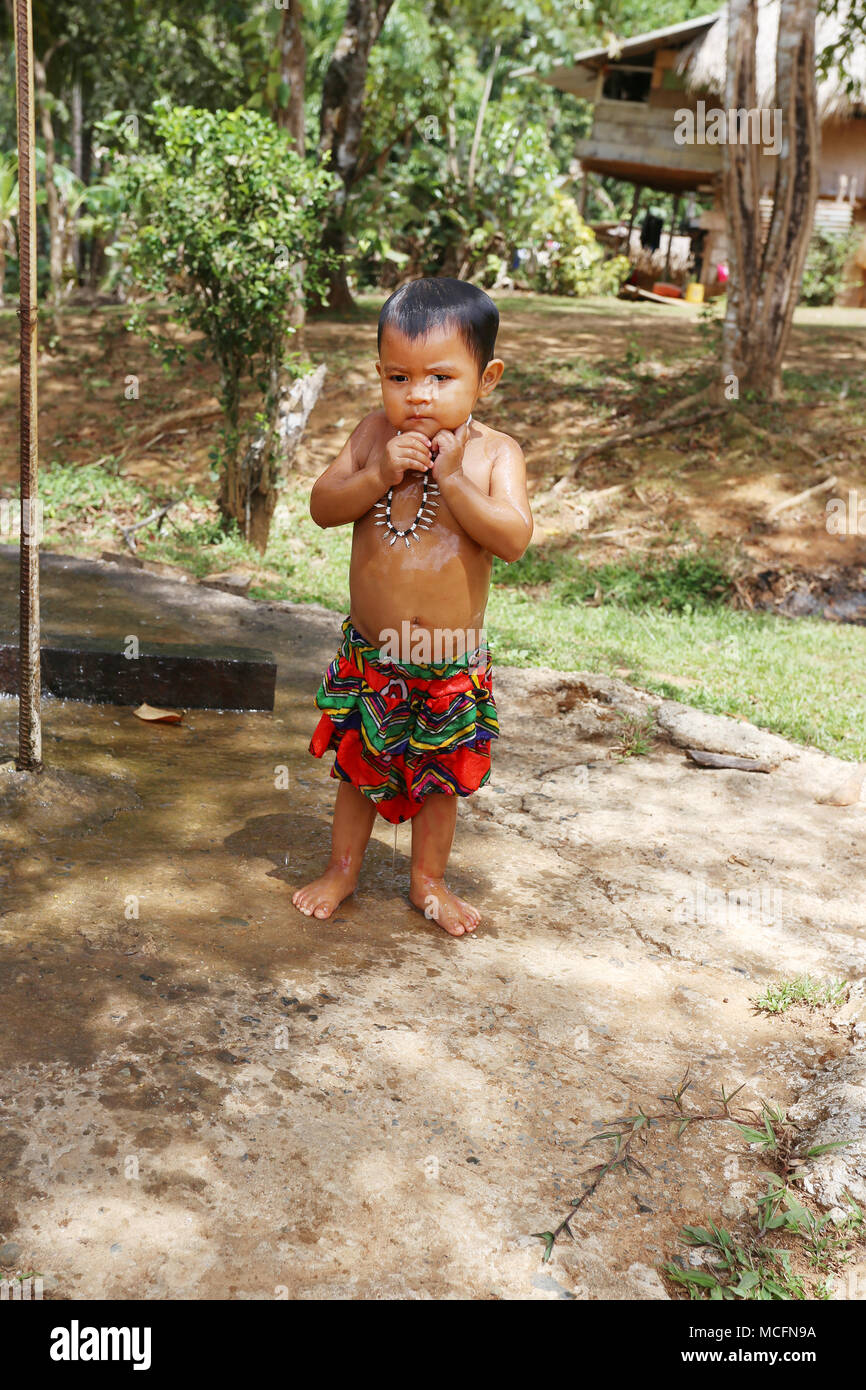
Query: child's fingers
x: 416, y: 455
x: 420, y: 446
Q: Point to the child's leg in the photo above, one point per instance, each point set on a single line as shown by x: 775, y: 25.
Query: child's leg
x: 432, y: 836
x: 354, y: 815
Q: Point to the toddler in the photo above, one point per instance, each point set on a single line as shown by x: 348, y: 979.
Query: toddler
x: 407, y: 704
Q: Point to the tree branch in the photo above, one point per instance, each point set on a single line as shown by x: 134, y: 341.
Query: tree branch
x: 482, y: 111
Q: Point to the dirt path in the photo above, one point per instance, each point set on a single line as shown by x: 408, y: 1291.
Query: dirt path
x: 220, y: 1098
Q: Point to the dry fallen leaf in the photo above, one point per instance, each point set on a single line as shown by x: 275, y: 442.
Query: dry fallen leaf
x: 157, y: 716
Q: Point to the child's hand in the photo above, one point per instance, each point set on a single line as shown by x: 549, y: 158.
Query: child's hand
x: 408, y: 452
x: 450, y: 444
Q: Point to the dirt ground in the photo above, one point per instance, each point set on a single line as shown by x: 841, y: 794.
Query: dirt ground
x: 205, y: 1094
x: 718, y: 479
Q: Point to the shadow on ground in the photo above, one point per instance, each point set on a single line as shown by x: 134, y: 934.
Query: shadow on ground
x: 207, y: 1095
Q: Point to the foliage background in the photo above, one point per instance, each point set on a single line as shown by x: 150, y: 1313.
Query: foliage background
x: 416, y: 206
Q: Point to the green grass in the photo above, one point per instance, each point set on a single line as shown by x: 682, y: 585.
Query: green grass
x: 779, y: 997
x: 804, y: 679
x: 68, y: 490
x: 667, y: 623
x: 803, y: 388
x: 745, y: 1267
x: 635, y: 737
x: 680, y: 586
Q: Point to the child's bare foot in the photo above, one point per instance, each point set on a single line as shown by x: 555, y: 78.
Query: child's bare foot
x: 319, y: 898
x: 440, y: 905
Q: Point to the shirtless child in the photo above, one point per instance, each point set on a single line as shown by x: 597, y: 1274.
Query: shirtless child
x: 407, y: 704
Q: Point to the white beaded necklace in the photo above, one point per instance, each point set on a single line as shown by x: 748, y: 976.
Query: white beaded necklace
x: 424, y: 517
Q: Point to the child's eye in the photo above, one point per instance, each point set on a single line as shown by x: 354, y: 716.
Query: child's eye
x: 440, y: 376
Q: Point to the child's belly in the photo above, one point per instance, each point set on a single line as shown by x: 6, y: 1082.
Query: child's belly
x: 439, y: 582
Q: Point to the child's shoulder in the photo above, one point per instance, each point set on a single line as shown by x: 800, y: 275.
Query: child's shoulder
x: 368, y: 434
x: 498, y: 444
x: 372, y: 425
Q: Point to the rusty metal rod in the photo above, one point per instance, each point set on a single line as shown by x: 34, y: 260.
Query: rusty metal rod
x: 29, y: 687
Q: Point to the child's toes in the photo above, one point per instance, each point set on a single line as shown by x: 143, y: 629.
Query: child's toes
x: 450, y: 920
x: 468, y: 915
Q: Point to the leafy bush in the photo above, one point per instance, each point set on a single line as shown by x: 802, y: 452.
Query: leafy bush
x: 824, y: 271
x: 224, y: 220
x: 570, y: 260
x: 420, y: 216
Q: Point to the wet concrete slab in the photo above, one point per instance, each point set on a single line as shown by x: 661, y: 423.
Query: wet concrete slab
x: 154, y: 673
x: 205, y: 1094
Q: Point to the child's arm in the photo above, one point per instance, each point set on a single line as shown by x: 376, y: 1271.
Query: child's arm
x: 502, y: 521
x: 363, y: 471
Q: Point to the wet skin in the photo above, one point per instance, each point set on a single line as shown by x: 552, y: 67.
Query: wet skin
x: 390, y: 583
x: 430, y: 386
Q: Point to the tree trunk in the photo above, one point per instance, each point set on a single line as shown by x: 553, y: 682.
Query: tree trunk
x: 293, y: 72
x: 294, y: 402
x: 339, y: 294
x: 451, y: 128
x: 77, y: 165
x: 293, y: 69
x: 341, y: 121
x: 479, y: 122
x: 251, y: 485
x: 764, y: 281
x: 52, y: 200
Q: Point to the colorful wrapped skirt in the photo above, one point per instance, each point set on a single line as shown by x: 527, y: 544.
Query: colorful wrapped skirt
x: 400, y: 732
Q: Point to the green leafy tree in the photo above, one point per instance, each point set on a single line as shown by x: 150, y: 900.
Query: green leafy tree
x: 219, y: 214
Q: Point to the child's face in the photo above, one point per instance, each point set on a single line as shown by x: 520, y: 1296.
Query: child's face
x: 431, y: 384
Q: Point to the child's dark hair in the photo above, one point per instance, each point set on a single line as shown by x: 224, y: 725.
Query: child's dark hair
x: 437, y: 302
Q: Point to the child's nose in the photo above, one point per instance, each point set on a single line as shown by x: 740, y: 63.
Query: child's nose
x: 422, y: 391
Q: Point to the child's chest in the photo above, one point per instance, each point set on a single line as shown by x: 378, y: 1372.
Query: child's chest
x: 413, y: 528
x: 419, y: 504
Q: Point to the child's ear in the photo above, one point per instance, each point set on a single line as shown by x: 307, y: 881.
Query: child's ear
x: 379, y: 368
x: 491, y: 376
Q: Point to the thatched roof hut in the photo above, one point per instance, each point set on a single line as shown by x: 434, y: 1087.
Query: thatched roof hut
x: 840, y: 94
x: 641, y: 86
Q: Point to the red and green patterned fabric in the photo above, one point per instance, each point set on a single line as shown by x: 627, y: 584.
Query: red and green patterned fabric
x: 400, y: 732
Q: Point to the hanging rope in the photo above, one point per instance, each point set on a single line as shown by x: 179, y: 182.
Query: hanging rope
x: 29, y: 703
